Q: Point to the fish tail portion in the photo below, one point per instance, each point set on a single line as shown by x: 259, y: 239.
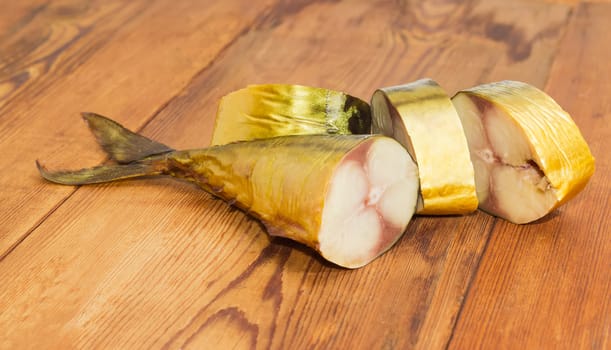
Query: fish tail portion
x: 121, y: 144
x: 106, y: 173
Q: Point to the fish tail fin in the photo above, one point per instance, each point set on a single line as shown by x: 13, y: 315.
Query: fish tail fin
x: 105, y: 173
x: 121, y: 144
x: 137, y: 155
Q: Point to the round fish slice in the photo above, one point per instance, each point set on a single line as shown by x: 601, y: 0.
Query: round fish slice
x: 528, y: 154
x: 422, y: 118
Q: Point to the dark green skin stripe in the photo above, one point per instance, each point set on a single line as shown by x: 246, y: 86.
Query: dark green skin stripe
x: 270, y: 110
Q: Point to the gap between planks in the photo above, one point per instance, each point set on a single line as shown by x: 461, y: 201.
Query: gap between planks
x: 255, y: 23
x: 476, y: 270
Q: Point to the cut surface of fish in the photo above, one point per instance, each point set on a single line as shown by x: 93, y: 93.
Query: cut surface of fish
x: 528, y: 154
x: 371, y: 199
x: 350, y: 197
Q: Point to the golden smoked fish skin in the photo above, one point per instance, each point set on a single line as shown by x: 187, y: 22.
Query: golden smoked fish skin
x: 269, y: 110
x: 349, y: 197
x: 282, y: 181
x: 529, y: 155
x: 420, y: 115
x: 290, y: 182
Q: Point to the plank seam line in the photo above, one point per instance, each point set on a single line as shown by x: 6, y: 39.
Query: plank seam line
x: 471, y: 279
x: 570, y: 18
x: 568, y: 21
x: 138, y: 130
x: 61, y: 51
x: 203, y: 70
x: 37, y: 224
x: 253, y: 25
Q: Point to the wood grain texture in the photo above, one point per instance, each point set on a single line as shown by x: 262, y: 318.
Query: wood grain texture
x: 158, y: 263
x: 113, y: 58
x: 548, y: 285
x: 15, y: 15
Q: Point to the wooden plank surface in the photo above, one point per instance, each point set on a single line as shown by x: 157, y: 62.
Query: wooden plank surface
x: 549, y: 284
x: 117, y: 58
x: 158, y: 263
